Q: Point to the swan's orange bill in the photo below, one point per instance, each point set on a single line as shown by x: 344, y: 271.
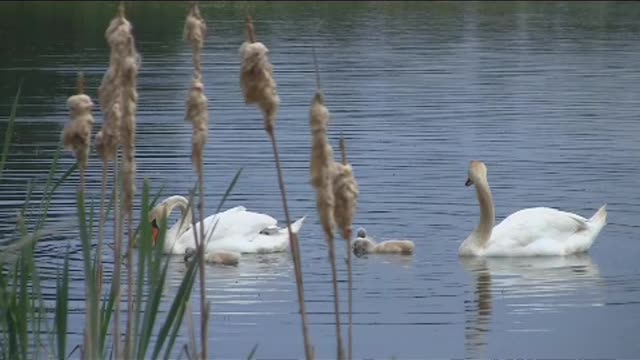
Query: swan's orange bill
x: 154, y: 235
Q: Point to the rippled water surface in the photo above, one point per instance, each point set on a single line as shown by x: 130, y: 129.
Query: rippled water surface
x: 545, y: 93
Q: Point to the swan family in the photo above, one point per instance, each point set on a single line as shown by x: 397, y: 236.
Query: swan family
x: 538, y: 231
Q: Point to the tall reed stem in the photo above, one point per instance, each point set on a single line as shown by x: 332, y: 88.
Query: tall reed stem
x: 117, y: 261
x: 103, y: 197
x: 130, y: 287
x: 343, y: 151
x: 204, y: 306
x: 295, y: 250
x: 336, y: 300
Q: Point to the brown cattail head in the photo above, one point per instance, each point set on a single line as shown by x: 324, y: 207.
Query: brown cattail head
x: 195, y: 30
x: 76, y: 134
x: 128, y: 124
x: 256, y: 78
x: 198, y: 115
x: 119, y: 97
x: 119, y: 38
x: 345, y: 189
x: 321, y: 163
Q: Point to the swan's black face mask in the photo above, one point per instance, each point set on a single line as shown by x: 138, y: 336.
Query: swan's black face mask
x: 469, y: 182
x: 155, y: 230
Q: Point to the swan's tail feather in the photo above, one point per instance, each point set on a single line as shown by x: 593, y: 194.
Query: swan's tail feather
x: 600, y: 217
x: 295, y: 227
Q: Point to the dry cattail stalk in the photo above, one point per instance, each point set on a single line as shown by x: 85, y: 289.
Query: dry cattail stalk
x: 76, y: 137
x: 118, y: 98
x: 129, y: 99
x: 322, y: 172
x: 346, y: 194
x: 259, y: 87
x: 195, y: 30
x: 256, y: 78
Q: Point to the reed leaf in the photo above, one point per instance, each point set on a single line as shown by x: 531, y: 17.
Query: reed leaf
x: 9, y: 132
x: 62, y: 308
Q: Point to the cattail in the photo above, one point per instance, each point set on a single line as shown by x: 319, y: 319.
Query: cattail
x: 321, y: 164
x: 108, y: 94
x: 198, y: 115
x: 256, y: 78
x: 119, y: 98
x: 259, y: 87
x: 128, y: 124
x: 345, y: 189
x: 195, y: 30
x: 77, y: 132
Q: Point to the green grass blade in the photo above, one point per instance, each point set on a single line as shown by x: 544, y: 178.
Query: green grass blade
x: 143, y: 250
x: 151, y: 311
x: 253, y: 352
x: 178, y: 306
x: 106, y: 312
x: 62, y: 308
x: 9, y: 132
x: 229, y: 189
x: 92, y: 309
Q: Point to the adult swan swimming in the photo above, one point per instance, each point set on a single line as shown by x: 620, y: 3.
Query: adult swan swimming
x: 236, y: 229
x: 535, y: 231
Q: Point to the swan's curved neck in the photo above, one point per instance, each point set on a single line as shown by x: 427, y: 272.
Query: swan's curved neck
x: 487, y: 213
x: 183, y: 224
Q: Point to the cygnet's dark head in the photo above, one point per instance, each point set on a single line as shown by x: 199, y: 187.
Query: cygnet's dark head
x: 363, y: 246
x: 188, y: 253
x: 361, y: 233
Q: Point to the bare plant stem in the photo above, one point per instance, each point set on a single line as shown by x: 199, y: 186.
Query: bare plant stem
x: 336, y: 300
x: 103, y: 196
x: 117, y: 261
x: 130, y: 290
x: 192, y: 331
x: 350, y: 302
x: 204, y: 306
x: 199, y: 249
x: 89, y: 328
x: 343, y: 151
x: 295, y: 251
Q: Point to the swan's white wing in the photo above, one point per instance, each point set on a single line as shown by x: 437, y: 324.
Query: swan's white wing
x: 543, y: 226
x: 237, y: 223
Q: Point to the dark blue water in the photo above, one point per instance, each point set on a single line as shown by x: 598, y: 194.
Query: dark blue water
x: 546, y: 94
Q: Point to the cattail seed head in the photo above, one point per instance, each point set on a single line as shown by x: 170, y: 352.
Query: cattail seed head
x: 195, y: 30
x: 256, y: 79
x: 345, y: 189
x: 321, y: 164
x: 119, y: 98
x: 76, y: 134
x: 198, y: 115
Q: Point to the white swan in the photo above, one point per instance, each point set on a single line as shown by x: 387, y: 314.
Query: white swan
x: 529, y: 232
x: 236, y: 230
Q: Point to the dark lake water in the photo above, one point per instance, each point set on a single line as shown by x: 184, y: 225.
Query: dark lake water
x: 546, y: 93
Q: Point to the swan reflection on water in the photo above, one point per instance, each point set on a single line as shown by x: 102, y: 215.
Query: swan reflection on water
x: 528, y: 285
x: 254, y: 272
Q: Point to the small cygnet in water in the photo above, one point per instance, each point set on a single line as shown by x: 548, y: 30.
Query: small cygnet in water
x: 228, y: 258
x: 363, y: 245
